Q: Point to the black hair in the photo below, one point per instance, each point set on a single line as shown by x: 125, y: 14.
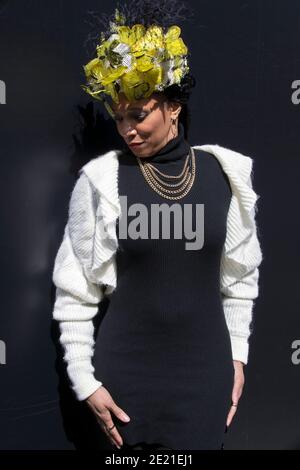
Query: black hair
x: 181, y: 94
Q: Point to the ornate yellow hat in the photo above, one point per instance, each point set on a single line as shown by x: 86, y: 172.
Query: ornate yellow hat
x: 135, y: 60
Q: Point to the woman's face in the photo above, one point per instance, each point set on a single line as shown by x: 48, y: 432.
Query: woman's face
x: 147, y: 121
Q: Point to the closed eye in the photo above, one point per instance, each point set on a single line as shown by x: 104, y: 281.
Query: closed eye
x: 139, y: 117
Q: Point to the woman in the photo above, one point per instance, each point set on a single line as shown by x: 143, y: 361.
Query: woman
x: 172, y: 345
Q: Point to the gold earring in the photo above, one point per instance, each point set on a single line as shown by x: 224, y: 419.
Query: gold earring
x: 173, y: 122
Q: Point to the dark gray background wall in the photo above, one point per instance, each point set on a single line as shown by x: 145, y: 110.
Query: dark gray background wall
x: 245, y: 56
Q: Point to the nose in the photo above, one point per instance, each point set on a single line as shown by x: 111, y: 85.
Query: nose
x: 130, y: 131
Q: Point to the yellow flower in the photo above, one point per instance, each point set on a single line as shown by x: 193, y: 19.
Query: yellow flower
x: 173, y: 33
x: 150, y: 42
x: 137, y: 84
x: 144, y: 63
x: 95, y: 90
x: 129, y: 35
x: 111, y: 90
x: 105, y: 51
x: 174, y: 44
x: 92, y: 68
x: 113, y: 74
x: 178, y: 74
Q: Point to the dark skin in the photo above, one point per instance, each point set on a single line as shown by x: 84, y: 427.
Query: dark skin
x: 153, y: 121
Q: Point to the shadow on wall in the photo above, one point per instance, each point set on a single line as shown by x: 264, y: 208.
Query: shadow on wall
x: 94, y: 136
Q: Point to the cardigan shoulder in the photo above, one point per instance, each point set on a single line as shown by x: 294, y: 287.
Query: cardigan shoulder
x: 231, y: 160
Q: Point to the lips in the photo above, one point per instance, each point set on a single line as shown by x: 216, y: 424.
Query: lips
x: 135, y: 144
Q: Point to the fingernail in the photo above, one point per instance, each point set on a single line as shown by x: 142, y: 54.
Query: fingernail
x: 126, y: 418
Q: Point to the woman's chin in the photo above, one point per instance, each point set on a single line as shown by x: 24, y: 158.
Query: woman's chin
x: 139, y: 150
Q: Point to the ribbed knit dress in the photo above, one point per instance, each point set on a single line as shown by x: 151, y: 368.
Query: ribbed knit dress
x: 163, y: 347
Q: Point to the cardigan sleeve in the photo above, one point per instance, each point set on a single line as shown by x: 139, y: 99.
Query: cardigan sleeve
x: 238, y: 296
x: 77, y: 298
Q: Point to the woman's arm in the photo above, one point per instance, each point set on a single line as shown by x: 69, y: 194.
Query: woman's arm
x: 77, y: 298
x: 238, y: 297
x: 238, y: 301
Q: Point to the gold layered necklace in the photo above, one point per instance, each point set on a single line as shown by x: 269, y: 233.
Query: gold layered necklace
x: 179, y: 189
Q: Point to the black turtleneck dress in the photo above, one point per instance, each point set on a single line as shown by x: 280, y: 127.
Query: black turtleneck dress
x: 163, y: 347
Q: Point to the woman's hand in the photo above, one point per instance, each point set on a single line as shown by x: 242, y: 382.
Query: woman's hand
x: 101, y: 403
x: 237, y: 391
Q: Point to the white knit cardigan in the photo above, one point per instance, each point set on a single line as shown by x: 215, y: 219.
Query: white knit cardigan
x: 85, y: 265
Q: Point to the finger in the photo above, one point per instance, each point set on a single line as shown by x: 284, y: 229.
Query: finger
x: 237, y: 385
x: 228, y: 420
x: 112, y: 429
x: 236, y: 394
x: 119, y: 413
x: 237, y: 391
x: 230, y: 415
x: 111, y: 438
x: 108, y: 434
x: 116, y: 436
